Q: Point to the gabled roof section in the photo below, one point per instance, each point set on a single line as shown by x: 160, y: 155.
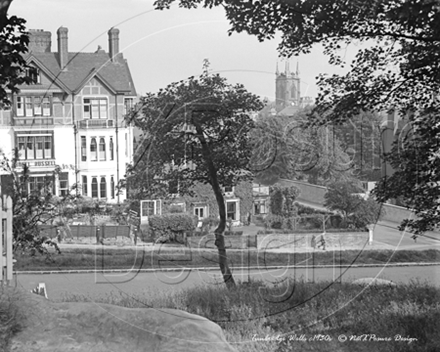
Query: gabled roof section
x: 94, y: 74
x: 31, y: 59
x: 82, y: 66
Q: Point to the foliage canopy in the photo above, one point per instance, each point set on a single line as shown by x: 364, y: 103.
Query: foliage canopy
x: 397, y: 67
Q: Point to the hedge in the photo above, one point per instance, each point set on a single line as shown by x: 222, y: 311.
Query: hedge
x: 169, y: 225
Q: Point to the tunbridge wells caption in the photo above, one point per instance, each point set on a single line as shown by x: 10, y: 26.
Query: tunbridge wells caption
x: 327, y: 338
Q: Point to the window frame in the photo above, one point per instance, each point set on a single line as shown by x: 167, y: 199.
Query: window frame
x: 32, y: 106
x: 203, y: 208
x: 63, y: 184
x: 111, y: 149
x: 34, y: 74
x: 103, y: 187
x: 237, y: 205
x: 95, y: 191
x: 95, y: 111
x: 102, y: 153
x: 157, y: 207
x: 84, y: 185
x: 83, y: 148
x: 128, y: 105
x: 112, y: 187
x: 31, y: 139
x: 260, y: 203
x: 93, y: 153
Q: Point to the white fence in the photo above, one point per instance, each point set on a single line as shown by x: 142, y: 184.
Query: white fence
x: 6, y: 239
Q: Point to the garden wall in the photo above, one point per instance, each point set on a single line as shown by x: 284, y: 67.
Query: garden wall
x: 397, y: 214
x: 333, y: 241
x: 231, y: 242
x: 304, y: 241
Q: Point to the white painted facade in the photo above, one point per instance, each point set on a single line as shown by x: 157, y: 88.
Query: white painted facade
x: 72, y: 118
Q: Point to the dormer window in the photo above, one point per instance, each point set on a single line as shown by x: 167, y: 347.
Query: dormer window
x: 33, y: 74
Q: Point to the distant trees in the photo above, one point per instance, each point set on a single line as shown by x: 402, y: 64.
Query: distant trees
x: 398, y: 70
x: 288, y: 147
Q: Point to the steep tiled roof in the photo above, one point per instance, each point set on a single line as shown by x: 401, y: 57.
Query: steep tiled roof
x: 80, y: 65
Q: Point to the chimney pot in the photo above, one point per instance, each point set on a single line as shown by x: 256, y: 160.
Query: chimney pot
x: 113, y: 43
x: 63, y: 47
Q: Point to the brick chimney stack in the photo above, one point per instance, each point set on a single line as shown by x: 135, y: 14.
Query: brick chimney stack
x: 62, y: 47
x: 39, y: 41
x: 113, y: 43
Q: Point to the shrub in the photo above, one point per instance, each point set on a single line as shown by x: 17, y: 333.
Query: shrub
x: 273, y: 221
x: 289, y: 223
x: 168, y: 225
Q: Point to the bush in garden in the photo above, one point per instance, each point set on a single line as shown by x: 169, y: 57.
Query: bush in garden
x: 273, y: 221
x: 168, y: 226
x: 290, y: 223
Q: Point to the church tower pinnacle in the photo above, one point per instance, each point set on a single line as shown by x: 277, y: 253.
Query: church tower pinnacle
x: 287, y: 87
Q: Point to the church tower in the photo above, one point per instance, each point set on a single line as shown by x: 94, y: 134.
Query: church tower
x: 287, y: 87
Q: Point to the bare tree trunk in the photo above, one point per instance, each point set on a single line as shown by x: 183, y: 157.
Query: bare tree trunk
x: 219, y: 236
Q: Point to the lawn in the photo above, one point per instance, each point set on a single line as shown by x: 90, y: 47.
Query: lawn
x: 105, y: 258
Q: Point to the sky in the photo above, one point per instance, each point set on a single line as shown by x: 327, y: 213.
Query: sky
x: 162, y: 47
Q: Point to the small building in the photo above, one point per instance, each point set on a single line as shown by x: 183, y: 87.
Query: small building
x: 238, y: 203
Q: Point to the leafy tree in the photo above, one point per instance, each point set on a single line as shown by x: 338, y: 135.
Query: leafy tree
x: 360, y: 138
x: 198, y: 132
x: 397, y: 67
x: 343, y: 198
x: 13, y: 45
x: 415, y: 159
x: 356, y: 211
x: 33, y: 208
x: 282, y: 200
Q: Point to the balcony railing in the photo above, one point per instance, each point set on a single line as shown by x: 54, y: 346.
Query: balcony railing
x: 32, y: 121
x: 96, y: 123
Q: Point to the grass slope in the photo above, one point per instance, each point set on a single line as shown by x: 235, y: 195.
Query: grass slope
x: 310, y: 316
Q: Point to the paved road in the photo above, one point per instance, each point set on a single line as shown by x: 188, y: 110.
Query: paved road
x: 390, y: 238
x: 142, y: 284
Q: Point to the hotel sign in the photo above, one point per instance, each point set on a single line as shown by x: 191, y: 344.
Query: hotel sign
x: 46, y: 163
x: 38, y: 163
